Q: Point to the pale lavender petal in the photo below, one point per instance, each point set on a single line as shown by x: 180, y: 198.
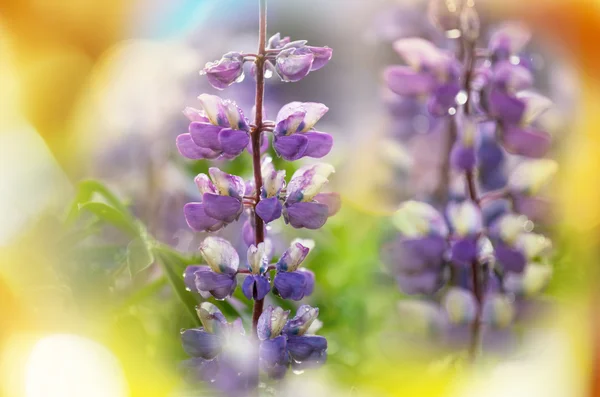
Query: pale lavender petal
x: 511, y: 78
x: 206, y: 135
x: 223, y: 208
x: 227, y: 184
x: 319, y: 144
x: 291, y: 124
x: 197, y: 220
x: 526, y: 141
x: 199, y: 343
x: 233, y: 142
x: 293, y: 256
x: 426, y: 283
x: 226, y: 71
x: 214, y: 109
x: 405, y: 81
x: 190, y: 150
x: 311, y: 215
x: 269, y: 209
x: 195, y: 115
x: 509, y: 39
x: 322, y: 56
x: 291, y: 147
x: 293, y: 64
x: 331, y: 200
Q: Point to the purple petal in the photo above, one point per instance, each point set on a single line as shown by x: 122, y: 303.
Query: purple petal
x: 319, y: 144
x: 302, y: 348
x: 311, y: 215
x: 224, y: 208
x: 322, y: 56
x: 291, y: 124
x: 256, y: 287
x: 199, y: 343
x: 415, y: 255
x: 218, y: 284
x: 509, y: 39
x: 197, y: 220
x: 526, y: 141
x: 214, y: 109
x: 274, y: 357
x: 190, y: 150
x: 291, y: 147
x: 511, y: 259
x: 290, y: 285
x: 226, y: 71
x: 189, y: 277
x: 233, y: 142
x: 403, y: 80
x: 506, y: 107
x: 463, y: 157
x: 310, y: 281
x: 269, y: 209
x: 427, y: 283
x: 206, y: 135
x: 464, y: 252
x: 511, y: 78
x: 294, y: 64
x: 331, y: 200
x: 312, y: 111
x: 443, y: 98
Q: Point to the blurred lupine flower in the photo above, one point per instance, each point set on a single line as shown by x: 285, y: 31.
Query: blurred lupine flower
x: 467, y: 224
x: 508, y: 40
x: 257, y: 285
x: 430, y: 72
x: 417, y: 255
x: 291, y: 282
x: 526, y: 184
x: 446, y: 14
x: 226, y: 71
x: 463, y: 156
x: 295, y: 59
x: 516, y: 110
x: 221, y: 354
x: 305, y: 205
x: 514, y: 244
x: 220, y: 129
x: 294, y: 136
x: 219, y: 277
x: 286, y: 342
x: 221, y: 204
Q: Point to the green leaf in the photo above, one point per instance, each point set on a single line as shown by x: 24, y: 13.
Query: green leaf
x: 85, y: 193
x: 139, y: 256
x: 113, y: 216
x: 173, y: 266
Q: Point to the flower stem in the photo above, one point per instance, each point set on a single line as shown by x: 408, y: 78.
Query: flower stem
x: 256, y: 134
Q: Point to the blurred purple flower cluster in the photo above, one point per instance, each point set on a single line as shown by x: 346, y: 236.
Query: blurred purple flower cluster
x: 220, y: 130
x: 471, y: 250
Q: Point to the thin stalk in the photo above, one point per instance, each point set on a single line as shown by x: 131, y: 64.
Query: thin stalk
x: 256, y: 134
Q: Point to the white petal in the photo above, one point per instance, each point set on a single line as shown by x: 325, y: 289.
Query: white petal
x: 219, y: 254
x: 418, y: 219
x: 532, y: 175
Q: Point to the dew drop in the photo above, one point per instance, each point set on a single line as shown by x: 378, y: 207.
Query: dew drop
x: 453, y: 34
x: 452, y: 111
x: 268, y: 74
x: 461, y: 98
x: 298, y: 371
x: 241, y: 78
x: 515, y: 60
x: 528, y: 226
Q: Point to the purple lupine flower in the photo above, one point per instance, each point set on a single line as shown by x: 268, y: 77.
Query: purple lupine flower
x: 525, y: 184
x: 219, y: 130
x: 287, y: 342
x: 305, y: 206
x: 221, y: 203
x: 295, y: 59
x: 466, y: 221
x: 219, y: 277
x: 269, y: 207
x: 516, y: 110
x: 416, y: 257
x: 226, y: 71
x: 429, y: 72
x: 257, y: 285
x: 508, y: 40
x: 291, y: 282
x: 294, y: 136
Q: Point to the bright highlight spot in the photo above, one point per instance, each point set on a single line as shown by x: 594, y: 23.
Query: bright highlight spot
x: 65, y: 365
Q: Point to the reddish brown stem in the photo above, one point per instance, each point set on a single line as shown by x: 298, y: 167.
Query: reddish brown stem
x: 256, y: 133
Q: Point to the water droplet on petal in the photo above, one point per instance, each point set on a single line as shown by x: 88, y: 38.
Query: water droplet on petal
x: 241, y: 78
x: 452, y: 111
x: 298, y: 371
x: 268, y: 74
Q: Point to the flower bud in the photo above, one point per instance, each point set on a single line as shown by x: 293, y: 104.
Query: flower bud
x: 228, y: 70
